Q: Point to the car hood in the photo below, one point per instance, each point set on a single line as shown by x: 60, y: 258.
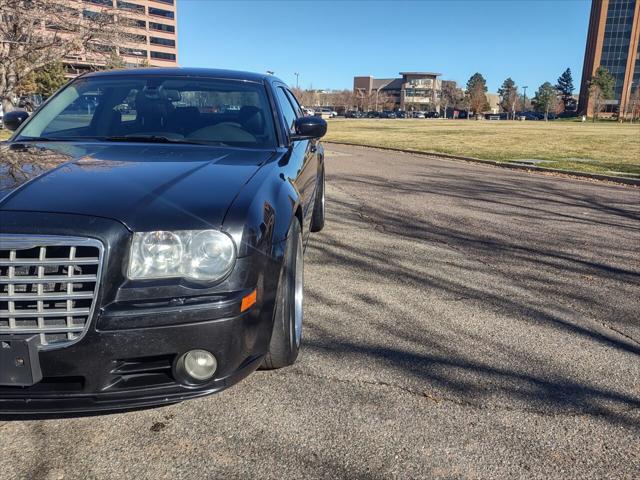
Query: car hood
x: 146, y: 187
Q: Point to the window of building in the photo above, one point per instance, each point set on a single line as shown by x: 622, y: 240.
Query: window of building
x: 133, y: 52
x: 139, y: 24
x: 167, y: 42
x: 134, y: 7
x: 138, y: 38
x: 159, y: 12
x: 168, y: 2
x: 106, y: 3
x: 163, y: 55
x: 162, y: 27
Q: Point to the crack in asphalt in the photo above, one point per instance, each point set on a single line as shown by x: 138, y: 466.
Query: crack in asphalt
x: 462, y: 403
x: 619, y: 332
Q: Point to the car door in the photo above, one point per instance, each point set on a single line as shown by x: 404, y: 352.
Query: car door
x: 303, y: 157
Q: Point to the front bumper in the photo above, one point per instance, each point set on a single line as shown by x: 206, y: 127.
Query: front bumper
x: 122, y: 369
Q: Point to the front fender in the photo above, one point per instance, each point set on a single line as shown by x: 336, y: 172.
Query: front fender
x: 260, y: 216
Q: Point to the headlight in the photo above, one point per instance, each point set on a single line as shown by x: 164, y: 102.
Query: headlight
x: 196, y: 254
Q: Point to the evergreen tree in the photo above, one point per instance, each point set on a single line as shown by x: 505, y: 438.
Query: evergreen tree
x: 508, y: 96
x: 601, y: 89
x: 50, y: 78
x: 476, y: 93
x: 565, y: 87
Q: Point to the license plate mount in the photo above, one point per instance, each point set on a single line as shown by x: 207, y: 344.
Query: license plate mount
x: 19, y: 361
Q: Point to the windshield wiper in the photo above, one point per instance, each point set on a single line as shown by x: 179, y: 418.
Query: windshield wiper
x: 150, y: 139
x: 47, y: 139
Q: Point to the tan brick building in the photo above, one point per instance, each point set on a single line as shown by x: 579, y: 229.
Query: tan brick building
x: 153, y: 34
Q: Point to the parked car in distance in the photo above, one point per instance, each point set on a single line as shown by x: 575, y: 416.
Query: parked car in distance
x: 401, y: 114
x: 164, y: 260
x: 418, y: 115
x: 325, y: 113
x: 309, y: 112
x: 387, y: 114
x: 568, y: 114
x: 432, y: 115
x: 373, y: 114
x: 354, y: 114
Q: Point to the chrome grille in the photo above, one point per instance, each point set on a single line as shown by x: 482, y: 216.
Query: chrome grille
x: 48, y: 286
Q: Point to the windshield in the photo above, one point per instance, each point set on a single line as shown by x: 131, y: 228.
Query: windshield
x: 157, y: 108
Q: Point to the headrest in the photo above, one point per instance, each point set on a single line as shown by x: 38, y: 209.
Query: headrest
x: 252, y: 119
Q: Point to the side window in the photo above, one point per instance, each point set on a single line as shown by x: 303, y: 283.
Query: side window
x: 287, y: 110
x: 295, y: 103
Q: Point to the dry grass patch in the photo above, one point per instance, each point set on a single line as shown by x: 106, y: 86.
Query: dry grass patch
x: 599, y: 147
x: 4, y: 134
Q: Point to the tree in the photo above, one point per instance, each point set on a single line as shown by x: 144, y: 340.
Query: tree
x: 634, y: 104
x: 114, y: 61
x: 29, y: 43
x: 565, y: 87
x: 546, y: 99
x: 451, y: 95
x: 509, y: 96
x: 601, y: 89
x: 50, y: 78
x: 476, y: 93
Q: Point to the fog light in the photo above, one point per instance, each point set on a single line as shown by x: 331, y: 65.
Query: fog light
x: 198, y: 365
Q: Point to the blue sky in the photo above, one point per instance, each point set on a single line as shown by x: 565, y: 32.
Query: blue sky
x: 328, y: 42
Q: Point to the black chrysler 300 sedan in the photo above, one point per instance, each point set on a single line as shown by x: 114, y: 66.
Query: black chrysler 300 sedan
x: 152, y: 226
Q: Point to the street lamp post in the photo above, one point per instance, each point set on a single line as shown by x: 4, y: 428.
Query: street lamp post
x: 524, y: 98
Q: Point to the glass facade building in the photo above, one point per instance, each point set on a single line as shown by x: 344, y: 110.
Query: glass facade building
x: 613, y: 43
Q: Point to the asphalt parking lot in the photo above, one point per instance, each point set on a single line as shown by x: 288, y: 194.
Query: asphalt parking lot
x: 462, y: 321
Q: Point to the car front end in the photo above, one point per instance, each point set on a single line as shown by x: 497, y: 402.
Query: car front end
x: 138, y: 267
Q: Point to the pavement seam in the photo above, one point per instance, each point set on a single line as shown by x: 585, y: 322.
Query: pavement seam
x: 462, y: 403
x: 619, y: 332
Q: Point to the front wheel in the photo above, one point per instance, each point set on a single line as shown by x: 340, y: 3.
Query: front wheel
x: 287, y: 317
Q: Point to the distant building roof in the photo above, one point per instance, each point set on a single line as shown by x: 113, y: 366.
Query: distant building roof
x: 421, y: 73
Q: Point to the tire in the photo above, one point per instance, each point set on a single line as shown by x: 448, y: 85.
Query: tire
x: 287, y: 315
x: 317, y: 219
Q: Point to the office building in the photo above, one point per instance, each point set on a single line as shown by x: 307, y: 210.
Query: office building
x: 412, y: 91
x: 613, y: 42
x: 153, y: 39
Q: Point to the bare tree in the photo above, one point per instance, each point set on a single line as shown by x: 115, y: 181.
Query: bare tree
x: 37, y: 33
x: 451, y: 95
x: 634, y: 104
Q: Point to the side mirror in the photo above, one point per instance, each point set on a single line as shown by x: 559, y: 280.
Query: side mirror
x: 12, y: 120
x: 309, y: 128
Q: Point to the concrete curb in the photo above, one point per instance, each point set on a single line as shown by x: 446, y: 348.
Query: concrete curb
x: 530, y: 168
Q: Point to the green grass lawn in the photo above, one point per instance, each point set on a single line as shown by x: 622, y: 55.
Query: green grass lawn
x: 605, y: 147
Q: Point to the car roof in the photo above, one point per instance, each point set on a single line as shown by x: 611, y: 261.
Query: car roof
x: 188, y: 72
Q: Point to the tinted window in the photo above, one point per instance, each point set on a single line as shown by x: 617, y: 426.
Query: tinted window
x: 163, y: 55
x: 207, y: 111
x: 162, y: 27
x: 287, y: 110
x: 162, y: 41
x: 160, y: 12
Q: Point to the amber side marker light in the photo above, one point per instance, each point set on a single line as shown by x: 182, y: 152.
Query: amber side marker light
x: 248, y: 301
